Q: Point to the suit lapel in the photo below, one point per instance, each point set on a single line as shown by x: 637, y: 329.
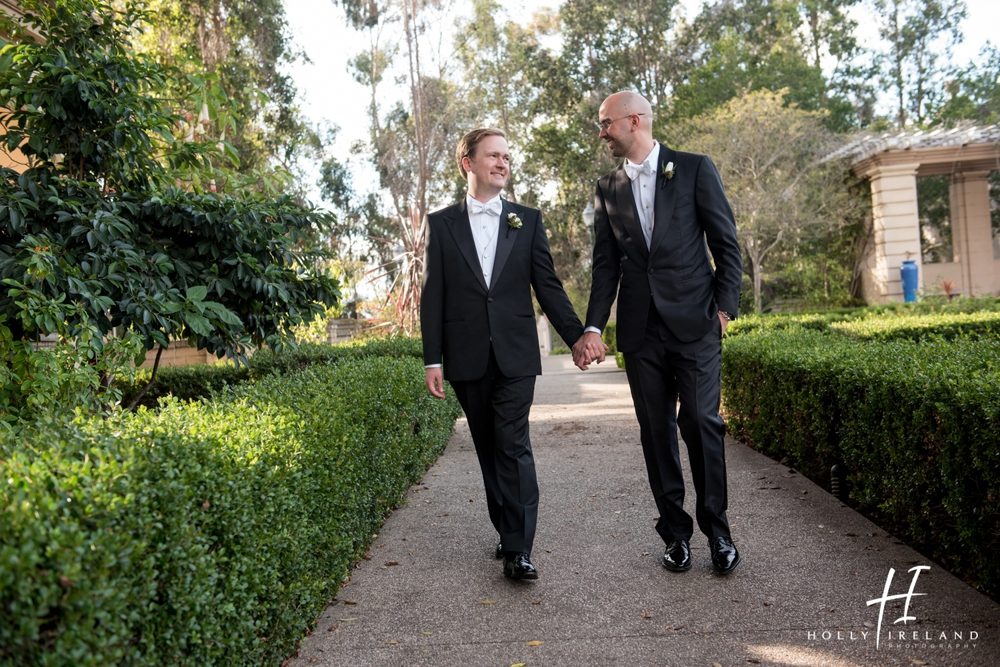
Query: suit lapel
x: 505, y: 241
x: 665, y: 198
x: 628, y: 214
x: 461, y: 230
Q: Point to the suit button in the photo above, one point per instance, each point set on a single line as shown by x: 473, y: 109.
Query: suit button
x: 651, y: 272
x: 489, y: 300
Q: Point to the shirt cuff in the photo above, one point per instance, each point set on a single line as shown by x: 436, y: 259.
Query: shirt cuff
x: 432, y: 365
x: 593, y: 329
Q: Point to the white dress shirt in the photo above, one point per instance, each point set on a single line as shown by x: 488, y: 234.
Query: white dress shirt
x: 484, y: 218
x: 643, y: 177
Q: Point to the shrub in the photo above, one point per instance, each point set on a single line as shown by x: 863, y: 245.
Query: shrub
x: 205, y: 533
x: 196, y: 382
x: 979, y: 325
x: 914, y: 422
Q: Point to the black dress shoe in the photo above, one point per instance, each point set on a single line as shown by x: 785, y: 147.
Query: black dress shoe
x: 498, y: 554
x: 518, y: 566
x: 677, y: 556
x: 725, y: 557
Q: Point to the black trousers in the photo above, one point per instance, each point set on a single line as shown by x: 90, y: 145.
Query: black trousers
x: 497, y: 409
x: 664, y: 371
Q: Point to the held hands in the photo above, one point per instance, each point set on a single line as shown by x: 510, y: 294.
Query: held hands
x: 434, y: 377
x: 587, y: 349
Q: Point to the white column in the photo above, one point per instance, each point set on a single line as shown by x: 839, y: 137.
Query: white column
x: 896, y: 228
x: 973, y: 237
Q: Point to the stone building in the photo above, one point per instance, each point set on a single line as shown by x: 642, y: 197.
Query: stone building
x: 935, y: 200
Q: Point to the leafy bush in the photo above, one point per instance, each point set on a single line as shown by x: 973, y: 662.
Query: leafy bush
x: 914, y: 422
x: 196, y: 382
x: 205, y: 533
x: 292, y: 358
x: 979, y: 325
x: 186, y: 383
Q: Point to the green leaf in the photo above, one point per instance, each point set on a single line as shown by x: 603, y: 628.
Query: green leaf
x: 197, y: 293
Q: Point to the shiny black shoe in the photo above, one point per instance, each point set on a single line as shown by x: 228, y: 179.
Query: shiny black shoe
x: 518, y: 566
x: 677, y: 556
x: 725, y: 557
x: 498, y: 554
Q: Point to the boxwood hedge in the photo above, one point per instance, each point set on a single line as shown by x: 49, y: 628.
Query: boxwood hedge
x: 198, y: 381
x: 913, y: 418
x: 205, y: 533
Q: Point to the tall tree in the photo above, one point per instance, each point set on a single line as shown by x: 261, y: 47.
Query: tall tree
x: 411, y: 140
x: 972, y: 92
x: 771, y: 158
x: 738, y: 46
x: 233, y: 86
x: 920, y: 35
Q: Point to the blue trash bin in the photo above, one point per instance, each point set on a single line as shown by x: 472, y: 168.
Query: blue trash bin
x: 908, y: 276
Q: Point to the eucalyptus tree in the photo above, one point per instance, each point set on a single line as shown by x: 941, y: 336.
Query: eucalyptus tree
x: 232, y: 88
x: 920, y: 36
x: 411, y: 139
x: 972, y: 92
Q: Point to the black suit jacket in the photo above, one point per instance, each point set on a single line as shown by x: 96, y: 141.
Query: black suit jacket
x: 692, y: 217
x: 460, y: 315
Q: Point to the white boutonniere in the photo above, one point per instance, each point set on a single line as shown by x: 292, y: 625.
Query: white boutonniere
x: 668, y: 171
x: 513, y: 222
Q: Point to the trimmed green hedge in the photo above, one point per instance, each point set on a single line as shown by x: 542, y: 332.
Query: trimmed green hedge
x: 914, y: 422
x: 200, y: 381
x: 981, y: 325
x: 205, y: 533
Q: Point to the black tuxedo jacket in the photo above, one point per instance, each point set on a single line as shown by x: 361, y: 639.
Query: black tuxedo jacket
x: 460, y: 315
x: 692, y: 218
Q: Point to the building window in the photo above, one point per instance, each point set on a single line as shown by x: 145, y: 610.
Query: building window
x: 934, y: 208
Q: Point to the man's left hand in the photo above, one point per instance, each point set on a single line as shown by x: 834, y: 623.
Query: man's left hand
x: 724, y: 322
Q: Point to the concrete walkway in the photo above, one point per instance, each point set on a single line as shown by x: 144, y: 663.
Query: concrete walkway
x: 430, y: 592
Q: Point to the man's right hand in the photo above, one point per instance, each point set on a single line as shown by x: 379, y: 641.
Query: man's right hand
x: 587, y: 349
x: 434, y: 378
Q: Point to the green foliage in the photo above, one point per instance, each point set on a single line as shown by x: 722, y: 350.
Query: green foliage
x: 784, y: 193
x: 224, y: 272
x: 912, y: 415
x: 185, y: 383
x: 232, y: 86
x: 205, y: 533
x: 37, y: 381
x: 79, y: 98
x: 947, y: 326
x: 755, y: 45
x: 610, y: 338
x: 919, y: 35
x: 94, y: 242
x: 203, y: 381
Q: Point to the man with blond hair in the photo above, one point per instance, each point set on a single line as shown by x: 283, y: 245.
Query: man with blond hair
x: 484, y: 255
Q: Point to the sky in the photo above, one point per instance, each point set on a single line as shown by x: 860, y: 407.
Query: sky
x: 329, y: 96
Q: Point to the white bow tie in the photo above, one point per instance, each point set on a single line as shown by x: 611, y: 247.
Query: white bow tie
x: 633, y: 170
x: 493, y: 207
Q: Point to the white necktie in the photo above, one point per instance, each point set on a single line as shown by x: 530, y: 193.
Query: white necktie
x: 493, y: 207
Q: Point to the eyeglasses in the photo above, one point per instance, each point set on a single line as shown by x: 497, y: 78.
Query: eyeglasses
x: 604, y: 125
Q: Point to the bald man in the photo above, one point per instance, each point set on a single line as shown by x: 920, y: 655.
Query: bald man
x: 657, y: 219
